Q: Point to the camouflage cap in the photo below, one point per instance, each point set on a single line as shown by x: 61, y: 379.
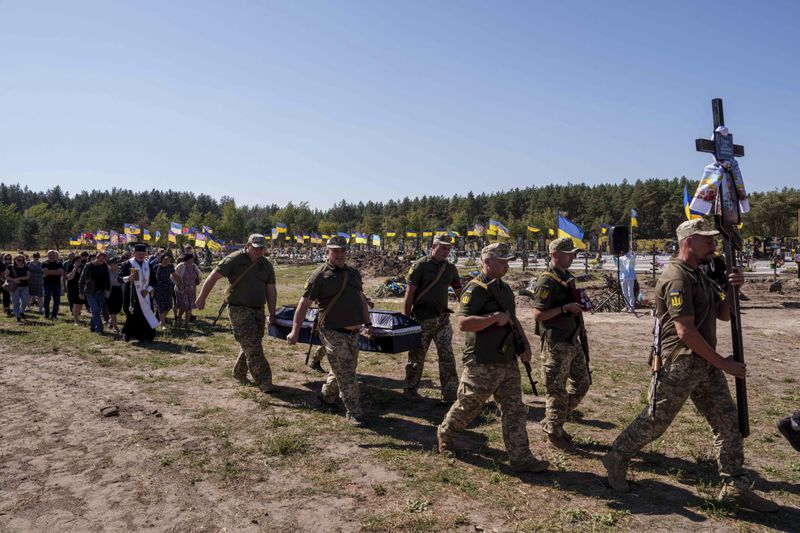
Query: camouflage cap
x: 564, y: 244
x: 443, y: 239
x: 257, y: 240
x: 337, y: 241
x: 697, y: 226
x: 498, y: 250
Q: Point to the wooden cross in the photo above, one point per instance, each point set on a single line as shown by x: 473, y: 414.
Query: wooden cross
x: 726, y: 218
x: 722, y: 146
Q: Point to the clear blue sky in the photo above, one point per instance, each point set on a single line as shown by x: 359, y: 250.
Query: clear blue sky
x: 318, y: 101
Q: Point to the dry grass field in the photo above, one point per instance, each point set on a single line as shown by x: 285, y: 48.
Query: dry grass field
x: 191, y: 450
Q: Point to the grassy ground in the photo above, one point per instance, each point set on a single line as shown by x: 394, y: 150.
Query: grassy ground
x: 227, y: 456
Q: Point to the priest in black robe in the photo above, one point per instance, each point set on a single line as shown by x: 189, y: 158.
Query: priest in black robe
x: 138, y: 292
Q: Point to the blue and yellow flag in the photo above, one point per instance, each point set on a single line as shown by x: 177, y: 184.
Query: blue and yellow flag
x: 146, y: 234
x: 214, y: 246
x: 686, y: 209
x: 497, y: 228
x: 175, y: 228
x: 534, y: 229
x: 567, y: 228
x: 391, y: 234
x: 410, y: 233
x: 604, y: 228
x: 132, y: 229
x: 281, y: 227
x: 634, y: 222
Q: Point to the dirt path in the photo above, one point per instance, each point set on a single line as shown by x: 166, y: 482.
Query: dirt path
x: 191, y: 451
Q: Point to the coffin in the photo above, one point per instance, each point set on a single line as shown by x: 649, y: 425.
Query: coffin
x: 393, y: 331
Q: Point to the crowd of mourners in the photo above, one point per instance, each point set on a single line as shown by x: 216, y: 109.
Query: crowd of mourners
x: 94, y: 282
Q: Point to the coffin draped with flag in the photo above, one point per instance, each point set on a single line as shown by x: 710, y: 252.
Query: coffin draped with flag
x: 394, y: 332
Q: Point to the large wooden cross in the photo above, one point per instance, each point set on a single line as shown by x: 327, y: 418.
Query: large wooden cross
x: 722, y: 146
x: 726, y: 217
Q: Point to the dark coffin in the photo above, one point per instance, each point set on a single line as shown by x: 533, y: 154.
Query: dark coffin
x: 393, y: 332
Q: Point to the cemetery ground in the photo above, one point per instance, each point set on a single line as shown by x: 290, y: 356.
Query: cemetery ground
x: 191, y: 450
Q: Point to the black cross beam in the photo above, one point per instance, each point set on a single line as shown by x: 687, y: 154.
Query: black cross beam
x: 722, y: 145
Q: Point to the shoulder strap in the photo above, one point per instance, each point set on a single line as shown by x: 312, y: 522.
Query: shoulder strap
x: 324, y: 314
x: 235, y: 282
x: 493, y: 288
x: 556, y: 279
x: 439, y: 274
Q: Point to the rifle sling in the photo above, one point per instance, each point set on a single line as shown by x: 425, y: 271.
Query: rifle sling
x: 424, y: 291
x: 235, y: 282
x: 321, y: 316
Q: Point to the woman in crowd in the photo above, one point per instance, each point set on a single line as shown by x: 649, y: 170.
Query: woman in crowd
x: 35, y: 282
x: 186, y: 277
x: 114, y: 294
x: 17, y: 276
x: 7, y: 260
x: 163, y: 296
x: 73, y: 278
x: 92, y: 287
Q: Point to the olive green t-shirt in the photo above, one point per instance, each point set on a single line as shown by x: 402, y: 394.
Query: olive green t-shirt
x: 548, y: 294
x: 251, y: 291
x: 324, y: 283
x: 421, y: 274
x: 686, y: 291
x: 492, y: 345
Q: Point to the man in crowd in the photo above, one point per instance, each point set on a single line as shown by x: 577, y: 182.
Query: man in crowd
x: 426, y: 302
x: 490, y: 362
x: 343, y: 312
x: 688, y: 305
x: 558, y: 324
x: 252, y: 284
x: 137, y: 294
x: 52, y: 271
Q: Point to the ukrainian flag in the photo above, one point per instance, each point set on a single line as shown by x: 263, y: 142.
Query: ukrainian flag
x: 551, y: 232
x: 76, y: 241
x: 497, y: 228
x: 175, y: 228
x: 146, y: 234
x: 454, y: 233
x: 281, y: 227
x: 427, y: 233
x: 686, y: 201
x: 604, y: 228
x: 410, y: 233
x: 567, y: 228
x: 534, y: 229
x: 634, y: 222
x: 391, y: 234
x: 214, y: 245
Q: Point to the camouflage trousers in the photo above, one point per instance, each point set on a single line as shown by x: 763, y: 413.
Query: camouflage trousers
x: 566, y: 382
x: 439, y: 331
x: 342, y: 351
x: 478, y: 383
x: 248, y: 330
x: 690, y: 376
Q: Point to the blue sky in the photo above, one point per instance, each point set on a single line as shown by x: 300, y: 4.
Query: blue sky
x: 270, y: 102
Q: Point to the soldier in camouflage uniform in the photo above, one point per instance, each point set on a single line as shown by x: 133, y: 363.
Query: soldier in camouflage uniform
x: 252, y: 285
x: 426, y: 302
x: 343, y: 313
x: 688, y: 304
x: 563, y: 367
x: 490, y: 363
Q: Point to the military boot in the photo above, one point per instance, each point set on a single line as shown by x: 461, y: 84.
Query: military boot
x: 356, y: 419
x: 531, y: 464
x: 317, y: 367
x: 787, y: 426
x: 746, y: 497
x: 560, y: 442
x: 446, y: 447
x: 617, y: 468
x: 267, y: 387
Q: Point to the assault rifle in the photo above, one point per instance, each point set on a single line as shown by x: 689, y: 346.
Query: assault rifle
x: 514, y: 329
x: 655, y: 364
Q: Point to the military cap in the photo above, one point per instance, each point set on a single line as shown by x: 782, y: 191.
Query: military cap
x: 498, y: 250
x: 257, y: 240
x: 697, y: 226
x: 337, y: 241
x: 139, y: 248
x: 443, y: 239
x: 564, y: 244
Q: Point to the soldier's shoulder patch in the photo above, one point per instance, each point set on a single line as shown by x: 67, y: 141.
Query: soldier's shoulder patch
x: 308, y: 284
x: 676, y: 298
x: 543, y: 292
x: 466, y: 297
